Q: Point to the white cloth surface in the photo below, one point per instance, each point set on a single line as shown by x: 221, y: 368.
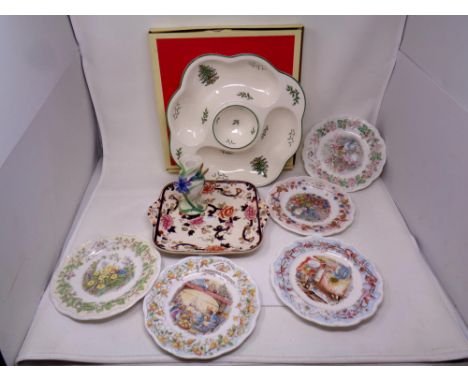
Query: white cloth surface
x: 347, y: 62
x: 416, y: 322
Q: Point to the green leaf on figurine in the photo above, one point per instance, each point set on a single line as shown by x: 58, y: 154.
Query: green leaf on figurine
x: 190, y: 185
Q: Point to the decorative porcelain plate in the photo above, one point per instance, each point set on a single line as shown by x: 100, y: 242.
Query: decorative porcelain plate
x: 347, y: 151
x: 306, y: 206
x: 232, y: 222
x: 240, y: 114
x: 327, y: 282
x: 104, y: 278
x: 202, y: 307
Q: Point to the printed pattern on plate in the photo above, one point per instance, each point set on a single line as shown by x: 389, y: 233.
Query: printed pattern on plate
x: 232, y: 222
x: 344, y: 161
x: 326, y: 281
x: 86, y: 285
x: 201, y: 307
x: 313, y: 206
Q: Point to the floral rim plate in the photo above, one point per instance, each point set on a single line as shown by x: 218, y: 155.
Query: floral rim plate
x: 327, y: 282
x: 105, y: 277
x: 346, y: 151
x: 232, y: 223
x: 306, y: 206
x: 240, y: 114
x: 201, y: 307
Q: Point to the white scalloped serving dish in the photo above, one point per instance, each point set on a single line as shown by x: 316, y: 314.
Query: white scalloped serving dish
x: 240, y: 114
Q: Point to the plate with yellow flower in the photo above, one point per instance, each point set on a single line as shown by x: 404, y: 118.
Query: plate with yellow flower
x: 104, y: 277
x: 202, y: 307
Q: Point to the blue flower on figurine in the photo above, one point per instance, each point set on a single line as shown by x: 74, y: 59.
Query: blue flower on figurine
x: 342, y: 273
x: 183, y: 185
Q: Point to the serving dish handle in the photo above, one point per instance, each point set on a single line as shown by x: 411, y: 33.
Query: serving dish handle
x: 263, y: 213
x: 153, y: 212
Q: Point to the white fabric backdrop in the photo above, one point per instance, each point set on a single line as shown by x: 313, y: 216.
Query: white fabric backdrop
x: 346, y: 65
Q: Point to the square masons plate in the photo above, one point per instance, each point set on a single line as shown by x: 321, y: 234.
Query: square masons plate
x: 232, y: 223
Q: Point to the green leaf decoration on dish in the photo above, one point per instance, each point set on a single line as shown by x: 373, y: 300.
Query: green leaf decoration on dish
x: 364, y: 130
x: 294, y: 94
x: 342, y: 123
x: 321, y: 132
x: 376, y: 156
x: 291, y: 135
x: 207, y: 74
x: 245, y: 95
x: 260, y: 165
x: 204, y: 117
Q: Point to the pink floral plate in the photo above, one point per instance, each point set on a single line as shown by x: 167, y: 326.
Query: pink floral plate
x: 232, y: 222
x: 307, y: 206
x: 202, y: 307
x: 348, y: 152
x: 327, y: 282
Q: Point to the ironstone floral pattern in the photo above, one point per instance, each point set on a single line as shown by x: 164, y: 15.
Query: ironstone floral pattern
x: 373, y: 163
x: 233, y: 221
x: 70, y: 302
x: 299, y: 186
x: 365, y: 304
x: 229, y: 334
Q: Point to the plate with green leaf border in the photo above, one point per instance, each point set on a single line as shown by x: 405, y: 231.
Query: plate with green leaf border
x: 105, y: 277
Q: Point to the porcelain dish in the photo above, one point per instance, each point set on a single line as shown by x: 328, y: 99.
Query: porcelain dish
x: 238, y: 113
x: 345, y: 151
x: 232, y: 223
x: 104, y: 277
x: 307, y: 206
x: 201, y: 307
x: 327, y: 282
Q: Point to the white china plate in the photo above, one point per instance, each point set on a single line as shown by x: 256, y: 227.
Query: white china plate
x: 105, y: 277
x: 240, y: 114
x: 307, y: 206
x: 346, y: 151
x: 201, y: 307
x: 327, y: 282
